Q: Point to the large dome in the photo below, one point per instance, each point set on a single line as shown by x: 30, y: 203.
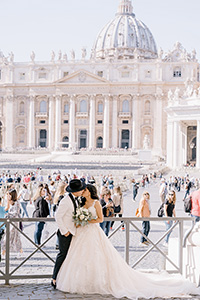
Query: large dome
x: 125, y: 37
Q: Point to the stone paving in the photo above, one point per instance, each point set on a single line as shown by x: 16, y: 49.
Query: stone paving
x: 44, y: 292
x: 40, y: 288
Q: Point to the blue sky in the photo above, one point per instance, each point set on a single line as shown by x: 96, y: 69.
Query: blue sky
x: 46, y: 25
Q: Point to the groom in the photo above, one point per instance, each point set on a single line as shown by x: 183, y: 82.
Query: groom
x: 66, y: 227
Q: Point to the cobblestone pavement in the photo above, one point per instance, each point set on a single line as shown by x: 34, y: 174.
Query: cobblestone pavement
x: 40, y: 289
x: 45, y: 292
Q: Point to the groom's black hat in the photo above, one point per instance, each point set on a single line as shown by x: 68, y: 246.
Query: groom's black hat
x: 75, y: 185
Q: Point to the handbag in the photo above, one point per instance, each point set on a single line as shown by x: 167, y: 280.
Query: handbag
x: 161, y: 211
x: 137, y: 212
x: 117, y: 209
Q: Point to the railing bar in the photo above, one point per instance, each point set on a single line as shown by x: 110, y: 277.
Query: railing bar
x: 38, y: 248
x: 2, y: 225
x: 154, y: 246
x: 117, y: 229
x: 2, y: 273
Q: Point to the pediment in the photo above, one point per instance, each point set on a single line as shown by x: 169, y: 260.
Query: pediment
x: 82, y: 77
x: 178, y: 53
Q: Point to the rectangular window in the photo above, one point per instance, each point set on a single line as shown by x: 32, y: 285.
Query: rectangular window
x: 42, y: 75
x: 100, y: 122
x: 42, y: 122
x: 65, y: 74
x: 100, y: 73
x: 22, y: 76
x: 125, y: 74
x: 65, y: 121
x: 124, y: 121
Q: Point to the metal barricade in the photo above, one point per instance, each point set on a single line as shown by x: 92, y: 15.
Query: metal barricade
x: 9, y: 274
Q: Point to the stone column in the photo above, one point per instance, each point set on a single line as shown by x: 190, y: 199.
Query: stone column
x: 176, y: 142
x: 92, y: 143
x: 198, y: 145
x: 58, y: 122
x: 158, y: 125
x: 134, y: 121
x: 170, y: 139
x: 114, y: 122
x: 31, y: 123
x: 106, y: 125
x: 51, y: 123
x: 9, y: 136
x: 183, y: 144
x: 72, y: 122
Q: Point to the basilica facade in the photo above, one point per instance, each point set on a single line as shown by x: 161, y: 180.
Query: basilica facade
x: 117, y: 96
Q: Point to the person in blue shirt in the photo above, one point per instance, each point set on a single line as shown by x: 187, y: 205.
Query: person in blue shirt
x: 2, y: 228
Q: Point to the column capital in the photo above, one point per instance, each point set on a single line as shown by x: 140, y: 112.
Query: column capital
x: 135, y: 96
x: 115, y: 97
x: 10, y: 98
x: 107, y: 96
x: 51, y: 97
x: 31, y: 98
x: 58, y: 97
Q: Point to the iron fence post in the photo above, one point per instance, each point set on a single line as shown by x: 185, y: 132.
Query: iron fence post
x: 127, y: 241
x: 180, y: 246
x: 7, y: 268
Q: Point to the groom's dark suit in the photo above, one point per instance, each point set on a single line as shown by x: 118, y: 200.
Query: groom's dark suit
x: 65, y: 223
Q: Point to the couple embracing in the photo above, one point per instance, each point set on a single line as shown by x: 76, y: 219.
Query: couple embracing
x: 77, y: 191
x: 89, y: 264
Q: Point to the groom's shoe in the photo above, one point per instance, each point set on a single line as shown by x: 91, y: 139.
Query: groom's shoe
x: 53, y: 284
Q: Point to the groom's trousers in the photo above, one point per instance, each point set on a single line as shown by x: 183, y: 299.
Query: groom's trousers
x: 64, y: 243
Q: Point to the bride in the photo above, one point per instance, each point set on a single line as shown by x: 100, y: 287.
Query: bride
x: 93, y: 265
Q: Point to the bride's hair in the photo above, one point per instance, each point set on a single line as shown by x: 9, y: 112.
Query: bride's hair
x: 93, y: 191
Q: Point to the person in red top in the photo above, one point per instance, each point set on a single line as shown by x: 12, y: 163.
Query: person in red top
x: 195, y: 211
x: 27, y: 178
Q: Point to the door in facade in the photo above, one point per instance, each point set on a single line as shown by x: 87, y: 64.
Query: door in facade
x: 83, y: 139
x: 0, y: 136
x: 194, y: 149
x: 65, y: 142
x: 125, y: 138
x: 99, y: 142
x: 43, y: 138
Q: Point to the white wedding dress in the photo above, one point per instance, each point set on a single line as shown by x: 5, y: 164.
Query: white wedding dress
x: 93, y: 266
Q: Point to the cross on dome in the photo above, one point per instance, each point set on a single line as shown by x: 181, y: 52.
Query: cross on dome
x: 125, y: 7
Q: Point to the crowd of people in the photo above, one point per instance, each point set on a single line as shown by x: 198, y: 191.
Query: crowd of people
x: 46, y: 192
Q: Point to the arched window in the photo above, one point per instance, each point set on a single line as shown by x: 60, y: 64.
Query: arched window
x: 177, y: 72
x: 125, y: 106
x: 99, y: 142
x: 21, y: 107
x: 66, y: 108
x: 100, y: 107
x: 21, y: 136
x: 83, y: 106
x: 147, y: 107
x: 43, y: 106
x: 65, y: 140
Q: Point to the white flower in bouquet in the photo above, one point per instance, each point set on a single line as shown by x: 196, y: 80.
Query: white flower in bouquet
x: 82, y: 216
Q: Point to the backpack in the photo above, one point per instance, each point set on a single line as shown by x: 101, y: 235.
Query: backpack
x: 187, y: 204
x: 161, y: 211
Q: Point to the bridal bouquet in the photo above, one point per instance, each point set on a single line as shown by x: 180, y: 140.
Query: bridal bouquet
x: 82, y: 216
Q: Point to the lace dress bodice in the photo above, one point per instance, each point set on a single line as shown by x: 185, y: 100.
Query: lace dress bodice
x: 92, y: 209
